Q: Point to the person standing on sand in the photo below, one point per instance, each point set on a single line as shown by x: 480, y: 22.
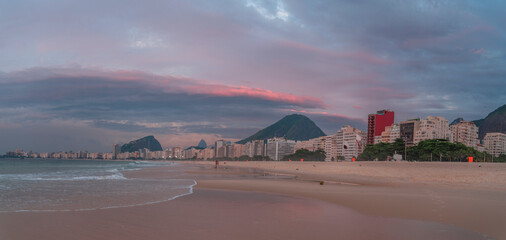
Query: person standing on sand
x: 216, y: 161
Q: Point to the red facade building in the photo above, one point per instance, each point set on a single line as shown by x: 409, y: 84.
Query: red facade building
x: 376, y: 124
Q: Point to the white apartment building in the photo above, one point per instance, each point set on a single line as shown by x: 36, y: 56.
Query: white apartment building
x: 254, y: 148
x: 432, y: 128
x: 464, y: 132
x: 331, y: 148
x: 350, y: 142
x: 277, y: 148
x: 391, y: 133
x: 495, y: 143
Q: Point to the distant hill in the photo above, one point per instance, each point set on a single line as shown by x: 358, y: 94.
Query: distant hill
x: 202, y: 144
x: 148, y: 142
x: 494, y: 122
x: 294, y: 127
x: 457, y: 121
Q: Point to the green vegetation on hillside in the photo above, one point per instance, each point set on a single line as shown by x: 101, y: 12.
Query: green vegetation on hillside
x: 148, y: 142
x: 293, y: 127
x: 494, y: 122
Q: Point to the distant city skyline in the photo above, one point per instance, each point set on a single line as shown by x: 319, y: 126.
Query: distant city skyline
x: 84, y: 75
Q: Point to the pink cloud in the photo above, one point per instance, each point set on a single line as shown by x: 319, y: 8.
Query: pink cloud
x: 233, y: 91
x: 325, y: 114
x: 168, y: 84
x: 479, y: 51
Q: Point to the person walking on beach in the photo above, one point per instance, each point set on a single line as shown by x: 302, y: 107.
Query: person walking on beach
x: 216, y: 162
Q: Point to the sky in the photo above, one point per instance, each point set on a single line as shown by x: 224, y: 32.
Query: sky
x: 84, y: 75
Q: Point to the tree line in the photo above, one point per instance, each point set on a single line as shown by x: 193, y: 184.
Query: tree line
x: 428, y: 150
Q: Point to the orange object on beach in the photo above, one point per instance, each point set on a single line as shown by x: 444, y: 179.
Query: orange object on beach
x: 290, y: 160
x: 302, y: 159
x: 353, y: 159
x: 470, y: 159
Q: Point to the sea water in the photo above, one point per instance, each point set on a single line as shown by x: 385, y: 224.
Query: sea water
x: 78, y: 185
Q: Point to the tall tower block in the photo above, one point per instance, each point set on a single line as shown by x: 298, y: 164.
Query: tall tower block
x: 376, y: 124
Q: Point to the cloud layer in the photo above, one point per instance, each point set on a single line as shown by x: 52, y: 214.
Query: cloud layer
x: 140, y: 103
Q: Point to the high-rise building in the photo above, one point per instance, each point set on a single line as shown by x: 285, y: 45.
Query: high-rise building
x: 236, y: 150
x: 277, y: 148
x: 259, y: 148
x: 221, y: 152
x: 254, y: 148
x: 432, y: 128
x: 217, y: 146
x: 391, y: 133
x: 350, y: 142
x: 408, y: 129
x: 376, y: 124
x: 177, y: 152
x: 495, y: 143
x: 116, y: 149
x: 441, y: 127
x: 331, y: 148
x: 465, y: 132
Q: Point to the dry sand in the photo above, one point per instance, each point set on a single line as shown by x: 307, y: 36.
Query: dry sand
x: 274, y: 200
x: 468, y: 195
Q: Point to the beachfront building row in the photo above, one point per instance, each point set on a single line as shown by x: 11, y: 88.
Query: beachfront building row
x: 59, y: 155
x: 415, y: 130
x: 346, y: 144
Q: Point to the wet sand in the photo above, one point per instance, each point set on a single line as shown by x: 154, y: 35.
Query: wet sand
x: 218, y: 214
x: 247, y: 202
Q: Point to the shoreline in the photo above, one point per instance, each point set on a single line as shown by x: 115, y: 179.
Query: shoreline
x: 224, y: 215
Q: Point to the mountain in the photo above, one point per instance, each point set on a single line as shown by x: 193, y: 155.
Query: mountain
x: 494, y: 122
x: 202, y: 144
x: 148, y: 142
x: 457, y: 121
x: 294, y: 127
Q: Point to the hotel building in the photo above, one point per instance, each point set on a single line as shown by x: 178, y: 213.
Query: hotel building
x: 376, y: 124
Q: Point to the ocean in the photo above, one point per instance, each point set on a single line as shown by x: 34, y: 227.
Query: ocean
x: 80, y: 185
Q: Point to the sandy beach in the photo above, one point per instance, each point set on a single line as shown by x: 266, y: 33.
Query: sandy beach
x: 286, y: 200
